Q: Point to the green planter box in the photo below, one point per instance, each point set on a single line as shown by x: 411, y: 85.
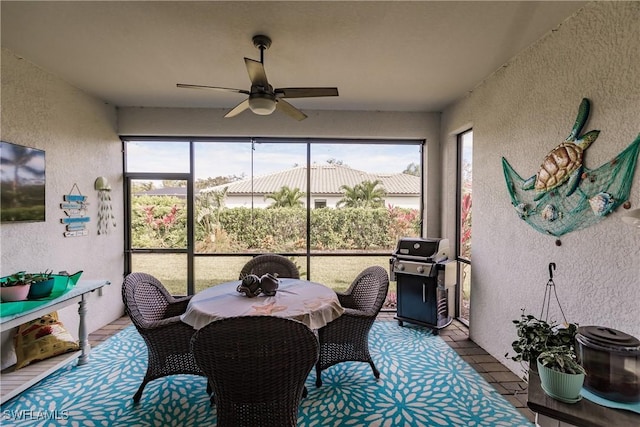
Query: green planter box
x: 61, y: 284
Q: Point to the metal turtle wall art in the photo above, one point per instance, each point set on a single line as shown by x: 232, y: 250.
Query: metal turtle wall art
x: 564, y: 195
x: 564, y: 163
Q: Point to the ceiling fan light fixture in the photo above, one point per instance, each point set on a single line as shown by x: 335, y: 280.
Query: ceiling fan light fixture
x: 262, y: 104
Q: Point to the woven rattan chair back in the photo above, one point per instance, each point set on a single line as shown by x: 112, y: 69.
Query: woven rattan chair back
x: 146, y: 299
x: 347, y: 337
x: 270, y: 263
x: 156, y: 316
x: 258, y: 366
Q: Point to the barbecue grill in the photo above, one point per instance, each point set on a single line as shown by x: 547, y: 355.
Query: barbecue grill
x: 420, y: 267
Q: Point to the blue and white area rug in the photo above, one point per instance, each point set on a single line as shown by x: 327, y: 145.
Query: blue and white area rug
x: 423, y: 383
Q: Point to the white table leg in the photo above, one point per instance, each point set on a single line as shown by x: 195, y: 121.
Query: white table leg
x: 83, y: 337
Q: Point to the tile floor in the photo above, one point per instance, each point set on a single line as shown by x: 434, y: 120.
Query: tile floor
x: 513, y: 388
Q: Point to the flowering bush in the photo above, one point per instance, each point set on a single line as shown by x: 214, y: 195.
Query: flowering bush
x: 391, y: 301
x: 404, y: 222
x: 158, y: 223
x: 465, y: 226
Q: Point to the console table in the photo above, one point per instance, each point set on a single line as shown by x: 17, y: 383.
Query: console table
x: 14, y: 382
x: 583, y: 413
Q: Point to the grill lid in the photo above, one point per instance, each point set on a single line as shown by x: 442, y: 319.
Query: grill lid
x: 422, y: 249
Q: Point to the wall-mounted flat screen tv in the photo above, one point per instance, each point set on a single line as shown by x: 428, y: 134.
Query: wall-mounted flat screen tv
x: 22, y: 190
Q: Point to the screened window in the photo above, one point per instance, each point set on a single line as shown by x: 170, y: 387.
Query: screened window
x: 465, y: 181
x: 334, y: 207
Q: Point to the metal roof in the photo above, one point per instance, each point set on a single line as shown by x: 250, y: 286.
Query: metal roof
x: 325, y: 179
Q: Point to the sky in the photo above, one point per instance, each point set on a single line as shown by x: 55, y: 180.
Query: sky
x: 234, y: 159
x: 31, y: 172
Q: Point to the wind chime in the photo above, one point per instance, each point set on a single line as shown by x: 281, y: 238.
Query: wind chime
x: 105, y: 212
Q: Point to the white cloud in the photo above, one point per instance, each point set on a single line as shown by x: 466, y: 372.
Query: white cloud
x: 224, y: 159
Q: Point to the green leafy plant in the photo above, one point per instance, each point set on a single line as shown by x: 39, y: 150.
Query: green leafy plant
x: 536, y: 336
x: 561, y: 359
x: 23, y: 278
x: 41, y: 277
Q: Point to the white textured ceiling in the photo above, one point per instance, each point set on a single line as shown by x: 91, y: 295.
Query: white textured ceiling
x: 390, y: 56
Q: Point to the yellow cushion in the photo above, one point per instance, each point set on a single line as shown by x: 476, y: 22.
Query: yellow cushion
x: 42, y: 338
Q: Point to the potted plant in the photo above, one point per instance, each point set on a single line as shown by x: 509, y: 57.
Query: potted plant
x: 15, y: 287
x: 561, y: 376
x: 41, y: 285
x: 21, y: 286
x: 536, y: 336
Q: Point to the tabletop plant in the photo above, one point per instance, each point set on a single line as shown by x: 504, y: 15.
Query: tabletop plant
x: 20, y: 285
x: 561, y: 376
x: 22, y: 278
x: 561, y: 359
x: 41, y: 277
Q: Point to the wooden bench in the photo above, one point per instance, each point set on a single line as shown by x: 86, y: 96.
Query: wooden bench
x: 14, y: 382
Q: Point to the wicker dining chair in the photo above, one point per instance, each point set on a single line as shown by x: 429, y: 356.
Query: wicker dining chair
x: 270, y: 263
x: 156, y: 316
x: 258, y: 367
x: 347, y: 337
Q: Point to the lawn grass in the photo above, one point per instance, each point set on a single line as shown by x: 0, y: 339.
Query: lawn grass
x: 171, y: 269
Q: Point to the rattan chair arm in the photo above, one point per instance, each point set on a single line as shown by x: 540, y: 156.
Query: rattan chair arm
x: 352, y: 312
x: 157, y: 324
x: 346, y: 300
x: 177, y: 306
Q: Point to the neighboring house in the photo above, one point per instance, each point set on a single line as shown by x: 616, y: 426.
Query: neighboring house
x: 180, y: 192
x: 402, y: 190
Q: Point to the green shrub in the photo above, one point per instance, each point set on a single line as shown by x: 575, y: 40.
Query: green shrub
x: 160, y: 222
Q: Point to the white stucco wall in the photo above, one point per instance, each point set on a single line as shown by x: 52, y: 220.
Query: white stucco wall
x: 78, y: 134
x: 521, y: 112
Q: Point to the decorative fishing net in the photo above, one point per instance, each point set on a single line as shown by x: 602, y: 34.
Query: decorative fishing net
x: 599, y: 193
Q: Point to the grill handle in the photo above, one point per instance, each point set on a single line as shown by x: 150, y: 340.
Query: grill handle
x: 412, y: 258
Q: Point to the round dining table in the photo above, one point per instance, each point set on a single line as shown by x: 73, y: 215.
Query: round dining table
x: 311, y: 303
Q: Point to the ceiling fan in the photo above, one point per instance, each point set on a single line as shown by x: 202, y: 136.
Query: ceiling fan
x: 263, y: 98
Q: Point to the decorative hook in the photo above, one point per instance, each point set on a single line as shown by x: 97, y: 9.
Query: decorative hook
x: 552, y: 266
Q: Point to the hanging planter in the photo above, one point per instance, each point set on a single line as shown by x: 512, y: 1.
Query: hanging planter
x: 537, y: 335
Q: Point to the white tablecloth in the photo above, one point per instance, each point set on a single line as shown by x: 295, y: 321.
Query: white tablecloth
x: 311, y: 303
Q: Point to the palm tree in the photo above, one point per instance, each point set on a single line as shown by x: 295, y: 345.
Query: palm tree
x: 21, y: 160
x: 286, y: 198
x: 209, y: 204
x: 412, y: 169
x: 139, y: 187
x: 351, y: 198
x: 367, y: 194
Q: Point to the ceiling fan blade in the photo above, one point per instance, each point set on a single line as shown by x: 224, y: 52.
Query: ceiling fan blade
x: 289, y: 109
x: 244, y: 105
x: 223, y: 89
x: 305, y: 92
x: 256, y: 72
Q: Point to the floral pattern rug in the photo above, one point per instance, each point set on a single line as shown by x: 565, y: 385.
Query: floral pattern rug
x: 423, y: 383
